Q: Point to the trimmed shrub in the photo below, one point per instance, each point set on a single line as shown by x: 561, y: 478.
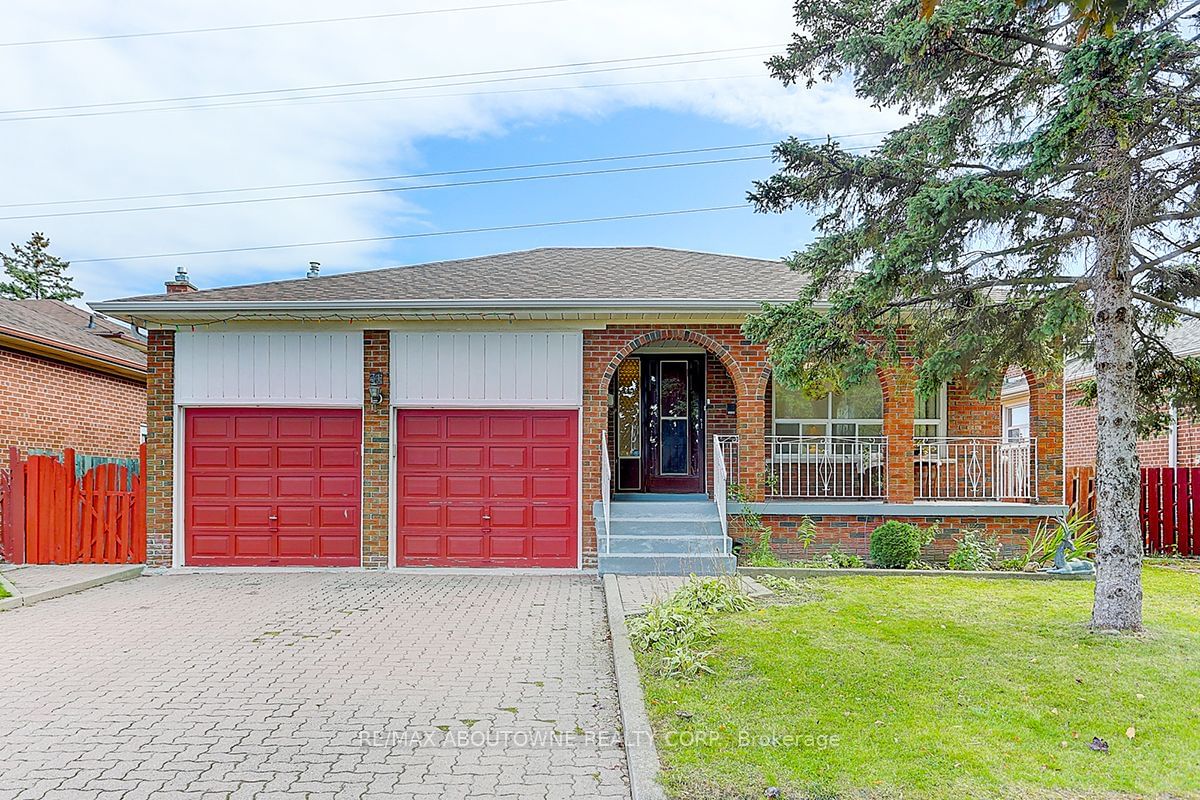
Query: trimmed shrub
x: 895, y: 544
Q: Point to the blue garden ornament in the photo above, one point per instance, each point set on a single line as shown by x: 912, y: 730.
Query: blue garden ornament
x: 1069, y: 566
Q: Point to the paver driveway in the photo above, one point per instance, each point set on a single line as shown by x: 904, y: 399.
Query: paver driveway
x: 312, y: 684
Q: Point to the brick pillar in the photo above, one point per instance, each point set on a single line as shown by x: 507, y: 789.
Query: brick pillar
x: 899, y: 408
x: 376, y: 452
x: 160, y: 448
x: 1046, y: 425
x: 595, y: 420
x: 751, y: 421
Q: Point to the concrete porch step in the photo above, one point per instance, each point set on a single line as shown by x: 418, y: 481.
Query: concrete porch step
x: 664, y: 527
x: 693, y: 545
x: 666, y: 564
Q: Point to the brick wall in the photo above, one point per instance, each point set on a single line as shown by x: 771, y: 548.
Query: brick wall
x: 376, y: 452
x: 1080, y: 427
x: 160, y: 438
x: 49, y: 405
x: 852, y: 534
x: 719, y: 420
x: 967, y: 415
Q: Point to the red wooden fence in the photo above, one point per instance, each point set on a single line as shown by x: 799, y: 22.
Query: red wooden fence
x: 1171, y: 510
x: 1170, y: 506
x: 52, y: 516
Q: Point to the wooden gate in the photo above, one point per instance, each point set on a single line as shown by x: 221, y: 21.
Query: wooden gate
x: 51, y: 515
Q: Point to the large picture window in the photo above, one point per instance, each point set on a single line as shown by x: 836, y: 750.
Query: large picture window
x: 856, y: 413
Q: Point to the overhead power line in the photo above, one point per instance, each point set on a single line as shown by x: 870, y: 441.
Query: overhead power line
x: 389, y: 189
x: 349, y: 97
x: 418, y: 175
x: 414, y: 175
x: 292, y: 23
x: 260, y: 93
x: 426, y: 235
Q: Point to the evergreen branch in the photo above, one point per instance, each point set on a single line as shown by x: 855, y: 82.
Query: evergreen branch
x: 1158, y: 262
x: 1166, y: 304
x: 1020, y: 37
x: 1175, y: 216
x: 1078, y: 281
x: 1168, y: 150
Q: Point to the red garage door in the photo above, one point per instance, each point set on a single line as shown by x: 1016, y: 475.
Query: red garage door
x: 487, y: 488
x: 269, y: 487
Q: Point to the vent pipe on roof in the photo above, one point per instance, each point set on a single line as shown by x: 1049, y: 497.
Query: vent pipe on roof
x: 181, y: 283
x: 314, y: 269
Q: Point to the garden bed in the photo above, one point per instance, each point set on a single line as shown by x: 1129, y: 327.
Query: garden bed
x: 837, y: 572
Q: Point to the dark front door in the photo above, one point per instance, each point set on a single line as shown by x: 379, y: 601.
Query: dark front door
x: 673, y: 423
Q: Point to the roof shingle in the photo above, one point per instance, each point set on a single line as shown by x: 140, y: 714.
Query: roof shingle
x: 553, y: 273
x: 59, y: 322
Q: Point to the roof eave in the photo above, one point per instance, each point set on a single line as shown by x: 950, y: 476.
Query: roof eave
x: 167, y: 311
x: 69, y: 354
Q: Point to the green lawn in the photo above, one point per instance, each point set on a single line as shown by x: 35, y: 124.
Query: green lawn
x: 940, y: 688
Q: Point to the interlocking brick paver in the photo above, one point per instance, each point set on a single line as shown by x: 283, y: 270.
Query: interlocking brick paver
x: 330, y: 685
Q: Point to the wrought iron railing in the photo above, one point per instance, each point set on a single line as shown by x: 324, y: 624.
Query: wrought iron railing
x: 975, y: 468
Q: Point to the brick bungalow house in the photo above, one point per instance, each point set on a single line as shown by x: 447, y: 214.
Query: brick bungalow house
x: 69, y: 378
x: 549, y: 408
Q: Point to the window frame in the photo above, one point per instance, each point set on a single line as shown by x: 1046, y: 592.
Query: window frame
x: 1007, y: 426
x: 829, y: 421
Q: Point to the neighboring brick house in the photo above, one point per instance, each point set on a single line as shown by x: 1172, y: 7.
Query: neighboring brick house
x: 69, y: 378
x: 1178, y: 446
x: 560, y: 407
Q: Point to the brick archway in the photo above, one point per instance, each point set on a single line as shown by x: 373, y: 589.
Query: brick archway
x: 603, y: 351
x: 710, y: 345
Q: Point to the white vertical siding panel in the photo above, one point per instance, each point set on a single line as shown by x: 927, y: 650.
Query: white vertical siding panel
x: 460, y: 368
x: 554, y: 366
x: 524, y: 370
x: 231, y: 366
x: 507, y: 368
x: 291, y: 355
x: 214, y: 351
x: 268, y: 368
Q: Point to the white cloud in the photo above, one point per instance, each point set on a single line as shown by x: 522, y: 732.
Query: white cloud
x: 138, y: 153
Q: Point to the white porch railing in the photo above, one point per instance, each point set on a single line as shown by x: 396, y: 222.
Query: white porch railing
x: 817, y: 466
x: 728, y: 445
x: 605, y: 485
x: 721, y: 490
x: 827, y: 467
x: 975, y: 468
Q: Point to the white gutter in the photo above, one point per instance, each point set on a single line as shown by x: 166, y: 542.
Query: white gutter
x: 125, y: 309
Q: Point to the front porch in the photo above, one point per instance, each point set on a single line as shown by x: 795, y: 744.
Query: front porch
x: 695, y: 409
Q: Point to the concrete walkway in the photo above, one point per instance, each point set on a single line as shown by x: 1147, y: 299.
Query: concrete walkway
x: 33, y: 583
x: 321, y: 685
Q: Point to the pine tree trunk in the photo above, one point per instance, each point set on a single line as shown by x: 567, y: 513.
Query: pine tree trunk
x: 1118, y: 601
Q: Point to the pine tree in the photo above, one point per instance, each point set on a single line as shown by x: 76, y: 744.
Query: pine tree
x: 36, y: 274
x: 1042, y: 201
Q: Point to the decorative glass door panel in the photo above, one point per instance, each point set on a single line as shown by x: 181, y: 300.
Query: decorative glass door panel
x: 673, y: 423
x: 629, y: 424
